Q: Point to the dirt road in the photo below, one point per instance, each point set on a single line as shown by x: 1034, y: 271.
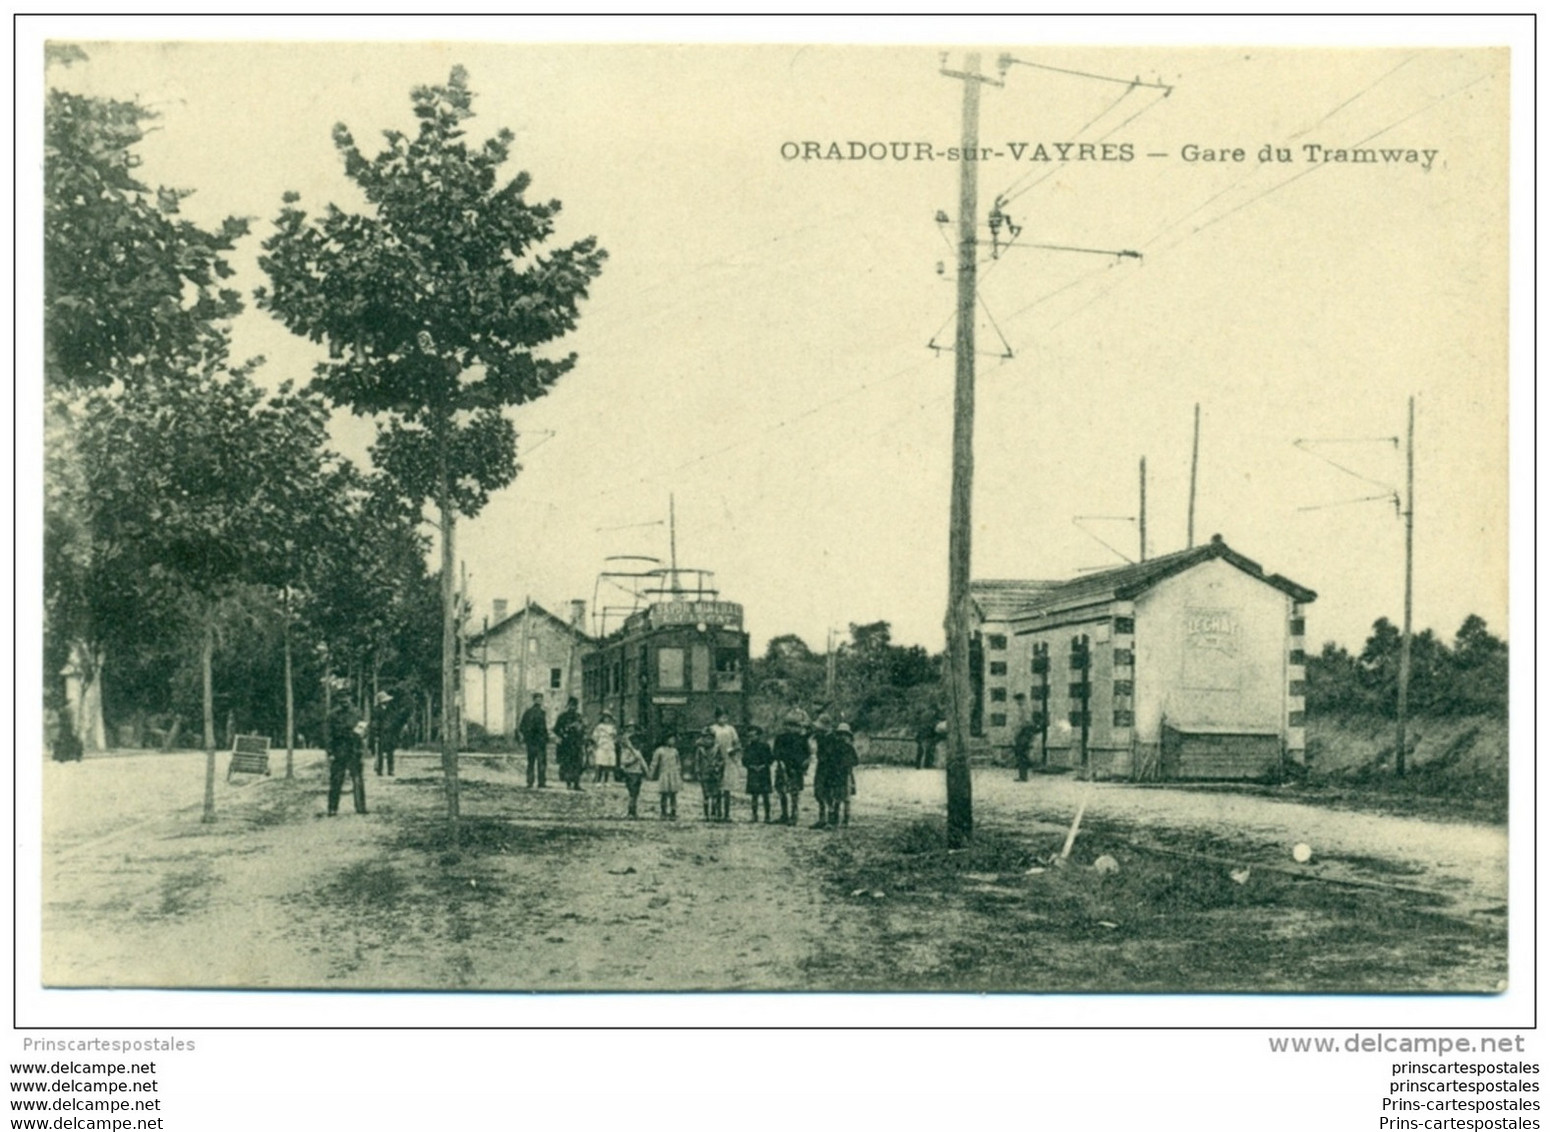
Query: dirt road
x: 555, y: 890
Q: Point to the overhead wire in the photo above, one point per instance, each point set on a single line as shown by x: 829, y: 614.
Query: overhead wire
x: 903, y: 371
x: 1131, y: 85
x: 1218, y: 218
x: 1084, y: 74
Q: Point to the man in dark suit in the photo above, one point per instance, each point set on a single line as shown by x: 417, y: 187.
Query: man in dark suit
x: 534, y: 729
x: 346, y: 748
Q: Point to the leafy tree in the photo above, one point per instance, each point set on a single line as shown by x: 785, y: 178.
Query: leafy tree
x: 1335, y: 682
x: 130, y: 288
x: 787, y: 674
x: 878, y: 684
x: 199, y: 481
x: 1469, y: 678
x: 433, y: 303
x: 362, y: 592
x: 1480, y: 669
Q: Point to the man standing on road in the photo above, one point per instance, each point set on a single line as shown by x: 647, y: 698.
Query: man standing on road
x: 571, y: 734
x: 1022, y: 737
x: 387, y: 724
x: 534, y: 729
x: 346, y: 749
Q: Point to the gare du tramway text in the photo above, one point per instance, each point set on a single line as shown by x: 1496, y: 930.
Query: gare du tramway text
x: 1191, y: 153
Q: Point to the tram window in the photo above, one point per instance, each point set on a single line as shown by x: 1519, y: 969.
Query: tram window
x: 554, y: 678
x: 699, y: 672
x: 729, y: 676
x: 670, y: 668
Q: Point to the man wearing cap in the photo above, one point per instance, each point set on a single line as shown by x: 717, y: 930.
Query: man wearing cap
x: 387, y: 727
x: 534, y: 729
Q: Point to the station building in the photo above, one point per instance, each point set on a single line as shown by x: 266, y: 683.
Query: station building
x: 1185, y: 666
x: 518, y: 654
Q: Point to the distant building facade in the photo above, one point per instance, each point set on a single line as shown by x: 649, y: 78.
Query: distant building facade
x: 1186, y: 666
x: 531, y: 650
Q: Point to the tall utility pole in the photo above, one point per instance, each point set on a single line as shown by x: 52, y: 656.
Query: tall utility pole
x: 672, y: 543
x: 1141, y: 521
x: 1404, y: 640
x: 828, y: 666
x: 484, y: 677
x: 1194, y: 465
x: 960, y: 800
x: 522, y: 674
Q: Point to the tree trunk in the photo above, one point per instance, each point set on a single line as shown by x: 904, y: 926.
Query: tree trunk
x: 290, y: 695
x: 328, y: 700
x: 371, y: 712
x: 89, y: 726
x: 448, y: 635
x: 206, y: 661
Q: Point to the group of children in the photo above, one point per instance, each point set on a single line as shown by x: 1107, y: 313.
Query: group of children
x: 724, y: 764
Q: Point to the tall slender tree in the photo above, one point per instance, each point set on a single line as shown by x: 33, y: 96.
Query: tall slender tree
x: 199, y: 481
x: 434, y: 304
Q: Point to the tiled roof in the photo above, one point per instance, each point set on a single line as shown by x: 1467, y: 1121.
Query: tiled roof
x: 1123, y: 583
x: 1000, y: 598
x: 534, y: 608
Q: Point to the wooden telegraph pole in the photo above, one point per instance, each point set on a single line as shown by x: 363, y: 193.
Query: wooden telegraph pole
x: 1404, y: 640
x: 1194, y: 465
x: 1141, y: 521
x: 960, y: 801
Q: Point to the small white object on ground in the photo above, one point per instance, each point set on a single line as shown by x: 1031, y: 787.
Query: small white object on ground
x: 1106, y: 864
x: 1301, y: 853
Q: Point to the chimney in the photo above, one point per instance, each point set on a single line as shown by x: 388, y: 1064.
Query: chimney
x: 578, y: 614
x: 498, y: 610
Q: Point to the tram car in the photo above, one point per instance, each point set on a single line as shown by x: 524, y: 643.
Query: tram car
x: 670, y: 658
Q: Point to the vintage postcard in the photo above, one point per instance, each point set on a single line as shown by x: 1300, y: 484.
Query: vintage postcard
x: 649, y: 517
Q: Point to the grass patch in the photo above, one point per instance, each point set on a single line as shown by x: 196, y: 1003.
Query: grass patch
x: 977, y: 919
x: 1457, y: 767
x: 483, y: 835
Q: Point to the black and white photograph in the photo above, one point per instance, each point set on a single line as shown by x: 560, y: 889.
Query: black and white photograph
x: 814, y: 518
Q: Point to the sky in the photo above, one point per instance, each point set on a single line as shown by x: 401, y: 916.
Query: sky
x: 757, y: 347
